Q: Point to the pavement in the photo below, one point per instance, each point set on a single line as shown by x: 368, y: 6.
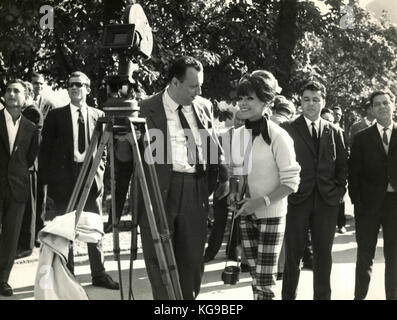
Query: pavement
x: 342, y: 277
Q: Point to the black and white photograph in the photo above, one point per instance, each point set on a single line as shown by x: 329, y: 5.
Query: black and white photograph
x: 222, y: 151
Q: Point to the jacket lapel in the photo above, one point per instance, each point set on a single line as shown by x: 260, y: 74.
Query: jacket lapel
x: 324, y: 132
x: 22, y: 125
x: 3, y: 131
x: 377, y: 139
x: 156, y: 114
x: 393, y: 138
x: 91, y: 118
x: 304, y: 131
x: 68, y: 130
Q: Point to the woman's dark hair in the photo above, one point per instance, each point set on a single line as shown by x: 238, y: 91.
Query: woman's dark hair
x: 263, y: 87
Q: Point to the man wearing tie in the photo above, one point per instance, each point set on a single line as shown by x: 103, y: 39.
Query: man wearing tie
x: 186, y: 175
x: 65, y: 139
x: 19, y: 143
x: 373, y: 191
x: 321, y: 153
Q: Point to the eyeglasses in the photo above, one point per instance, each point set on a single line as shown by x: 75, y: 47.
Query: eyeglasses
x: 77, y: 84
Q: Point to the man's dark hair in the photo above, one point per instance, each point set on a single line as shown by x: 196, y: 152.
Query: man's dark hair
x: 29, y: 92
x: 381, y: 92
x: 337, y: 109
x: 36, y: 75
x: 21, y: 82
x: 255, y: 83
x: 178, y: 68
x: 326, y: 110
x: 314, y: 86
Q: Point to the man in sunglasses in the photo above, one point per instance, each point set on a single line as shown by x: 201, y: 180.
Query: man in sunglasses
x: 66, y: 135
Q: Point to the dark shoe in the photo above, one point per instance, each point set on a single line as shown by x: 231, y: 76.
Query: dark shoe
x: 37, y: 244
x: 279, y: 276
x: 23, y: 253
x: 342, y: 230
x: 207, y: 259
x: 5, y: 289
x: 105, y: 281
x: 245, y: 267
x: 108, y: 227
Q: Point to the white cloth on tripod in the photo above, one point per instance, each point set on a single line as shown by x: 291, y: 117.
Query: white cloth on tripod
x: 53, y: 280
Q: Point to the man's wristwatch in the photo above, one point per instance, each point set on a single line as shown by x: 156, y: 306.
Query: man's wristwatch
x: 267, y: 200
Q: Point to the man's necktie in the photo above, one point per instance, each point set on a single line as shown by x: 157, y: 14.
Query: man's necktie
x: 315, y: 138
x: 384, y: 137
x: 192, y: 150
x: 81, y: 135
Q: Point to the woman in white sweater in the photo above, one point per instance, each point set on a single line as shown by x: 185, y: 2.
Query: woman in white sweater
x: 263, y: 155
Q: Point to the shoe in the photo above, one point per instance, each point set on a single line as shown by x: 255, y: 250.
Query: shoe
x: 105, y: 281
x: 207, y: 259
x: 23, y: 253
x: 5, y: 289
x: 108, y: 227
x: 244, y: 267
x: 342, y: 230
x: 279, y: 276
x: 37, y: 244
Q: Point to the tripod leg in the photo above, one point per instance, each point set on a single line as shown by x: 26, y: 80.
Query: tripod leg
x: 134, y: 231
x: 94, y: 167
x: 164, y: 230
x: 116, y: 242
x: 83, y: 171
x: 164, y: 269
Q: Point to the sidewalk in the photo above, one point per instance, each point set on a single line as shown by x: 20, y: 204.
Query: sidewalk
x: 342, y: 279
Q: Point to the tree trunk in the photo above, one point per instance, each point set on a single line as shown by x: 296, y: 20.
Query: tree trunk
x: 286, y: 33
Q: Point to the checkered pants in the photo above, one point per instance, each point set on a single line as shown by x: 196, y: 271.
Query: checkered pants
x: 262, y: 240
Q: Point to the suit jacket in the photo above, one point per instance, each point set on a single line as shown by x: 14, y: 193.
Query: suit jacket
x: 357, y: 127
x: 14, y: 167
x: 370, y: 168
x: 328, y: 170
x: 153, y: 110
x: 56, y: 154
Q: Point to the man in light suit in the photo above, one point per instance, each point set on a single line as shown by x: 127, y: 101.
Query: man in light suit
x: 39, y: 101
x: 185, y: 185
x: 66, y: 136
x: 373, y: 191
x: 19, y: 139
x: 322, y: 155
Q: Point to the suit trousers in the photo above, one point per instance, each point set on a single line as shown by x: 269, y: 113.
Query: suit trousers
x: 11, y: 215
x: 95, y: 253
x: 368, y: 223
x: 187, y: 211
x: 314, y: 214
x: 27, y: 235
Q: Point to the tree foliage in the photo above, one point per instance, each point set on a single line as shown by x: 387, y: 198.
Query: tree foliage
x: 291, y: 38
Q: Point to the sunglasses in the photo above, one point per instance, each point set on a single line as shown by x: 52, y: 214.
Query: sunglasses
x: 77, y: 84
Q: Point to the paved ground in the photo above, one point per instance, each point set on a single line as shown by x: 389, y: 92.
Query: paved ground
x: 344, y: 251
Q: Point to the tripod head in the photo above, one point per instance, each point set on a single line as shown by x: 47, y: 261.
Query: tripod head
x: 129, y: 40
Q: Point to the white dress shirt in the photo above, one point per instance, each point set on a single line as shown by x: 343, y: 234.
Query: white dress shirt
x: 12, y: 128
x: 79, y: 157
x: 388, y: 134
x: 316, y: 125
x: 177, y: 137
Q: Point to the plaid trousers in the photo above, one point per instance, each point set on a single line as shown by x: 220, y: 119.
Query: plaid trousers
x: 262, y: 240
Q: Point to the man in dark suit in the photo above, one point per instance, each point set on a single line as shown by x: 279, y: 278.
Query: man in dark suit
x: 65, y: 139
x: 321, y: 153
x: 373, y: 191
x: 19, y: 139
x: 27, y: 236
x: 364, y: 123
x: 185, y: 185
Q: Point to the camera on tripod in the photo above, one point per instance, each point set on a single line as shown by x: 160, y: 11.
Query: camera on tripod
x: 129, y: 40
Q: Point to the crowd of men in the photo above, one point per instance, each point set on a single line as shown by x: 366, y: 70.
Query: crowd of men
x: 47, y: 151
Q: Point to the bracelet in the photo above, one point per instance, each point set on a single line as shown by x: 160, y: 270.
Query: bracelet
x: 267, y: 200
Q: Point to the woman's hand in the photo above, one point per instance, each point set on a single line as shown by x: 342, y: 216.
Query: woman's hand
x: 249, y: 206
